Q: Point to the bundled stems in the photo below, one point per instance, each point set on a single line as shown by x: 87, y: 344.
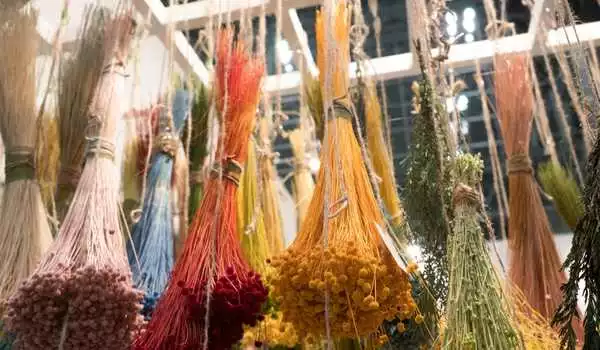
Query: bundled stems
x: 213, y: 292
x: 269, y: 197
x: 583, y: 263
x: 198, y: 145
x: 81, y: 294
x: 534, y: 263
x: 151, y: 249
x: 478, y: 312
x: 559, y: 184
x: 79, y: 77
x: 338, y: 279
x: 378, y: 151
x: 24, y: 230
x: 304, y: 184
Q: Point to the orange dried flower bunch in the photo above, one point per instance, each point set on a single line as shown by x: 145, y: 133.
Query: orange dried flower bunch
x: 340, y: 256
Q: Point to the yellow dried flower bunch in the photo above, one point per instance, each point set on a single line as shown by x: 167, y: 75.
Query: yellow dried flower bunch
x: 271, y: 332
x: 348, y: 262
x: 363, y: 289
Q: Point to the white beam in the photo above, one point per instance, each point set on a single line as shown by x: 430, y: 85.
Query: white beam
x: 461, y: 56
x: 185, y: 56
x: 296, y: 35
x: 196, y: 14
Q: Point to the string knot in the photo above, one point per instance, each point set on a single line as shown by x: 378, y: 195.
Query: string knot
x: 340, y: 109
x: 465, y: 195
x: 519, y: 163
x: 231, y: 170
x: 167, y: 144
x: 196, y: 177
x: 99, y: 147
x: 20, y: 164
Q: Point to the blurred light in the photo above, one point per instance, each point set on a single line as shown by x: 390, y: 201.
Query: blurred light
x: 451, y: 24
x: 288, y: 68
x: 450, y: 18
x: 464, y: 127
x: 284, y: 52
x: 469, y: 13
x: 450, y: 104
x: 314, y: 164
x: 469, y: 38
x: 469, y: 25
x: 462, y: 103
x: 414, y: 251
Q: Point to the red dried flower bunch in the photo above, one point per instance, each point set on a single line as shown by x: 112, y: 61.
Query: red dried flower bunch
x: 213, y: 292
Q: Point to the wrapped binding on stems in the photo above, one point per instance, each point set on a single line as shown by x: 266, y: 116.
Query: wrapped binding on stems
x: 535, y: 266
x: 81, y: 294
x: 583, y: 263
x: 78, y: 81
x: 304, y: 185
x: 151, y: 255
x: 355, y: 273
x: 24, y: 230
x: 562, y: 187
x: 212, y: 291
x: 478, y: 314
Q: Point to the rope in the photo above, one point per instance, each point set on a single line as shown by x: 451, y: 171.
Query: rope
x: 519, y: 163
x: 100, y: 147
x: 19, y: 164
x: 466, y: 195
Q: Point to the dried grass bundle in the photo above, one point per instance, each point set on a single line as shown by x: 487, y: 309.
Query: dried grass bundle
x: 269, y: 194
x: 151, y: 248
x: 351, y: 283
x: 429, y: 184
x: 79, y: 77
x: 378, y: 151
x: 562, y: 187
x: 535, y: 266
x: 198, y: 151
x: 304, y: 184
x: 478, y: 313
x: 24, y: 230
x: 213, y: 292
x: 81, y: 294
x: 46, y: 159
x: 583, y: 264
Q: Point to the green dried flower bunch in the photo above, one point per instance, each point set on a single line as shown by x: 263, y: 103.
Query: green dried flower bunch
x: 583, y: 263
x: 429, y: 184
x: 478, y: 312
x: 198, y: 151
x: 562, y: 187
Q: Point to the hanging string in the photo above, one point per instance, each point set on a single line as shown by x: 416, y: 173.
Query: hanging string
x: 497, y: 172
x: 541, y: 117
x: 567, y: 78
x: 561, y: 114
